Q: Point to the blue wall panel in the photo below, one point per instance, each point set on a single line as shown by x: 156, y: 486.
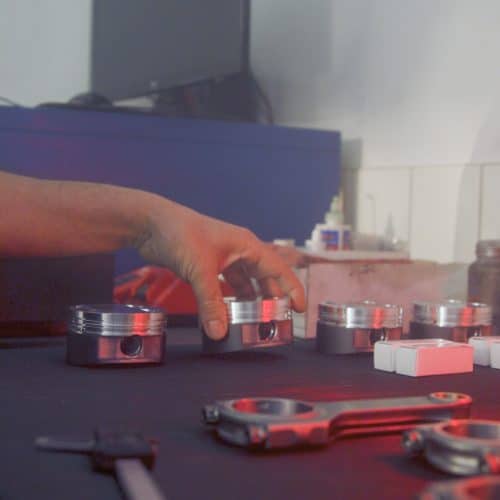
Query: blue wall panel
x: 277, y: 181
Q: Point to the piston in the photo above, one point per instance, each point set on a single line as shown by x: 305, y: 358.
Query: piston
x: 453, y: 320
x: 253, y: 323
x: 353, y: 328
x: 106, y: 334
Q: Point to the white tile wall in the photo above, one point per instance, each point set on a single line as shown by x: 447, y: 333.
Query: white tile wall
x: 383, y: 202
x: 444, y: 212
x: 437, y: 209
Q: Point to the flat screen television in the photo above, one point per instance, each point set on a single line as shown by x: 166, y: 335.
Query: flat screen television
x: 138, y: 46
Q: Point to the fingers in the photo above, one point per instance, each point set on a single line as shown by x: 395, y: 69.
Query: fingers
x: 239, y: 280
x: 211, y: 307
x: 274, y: 275
x: 270, y: 287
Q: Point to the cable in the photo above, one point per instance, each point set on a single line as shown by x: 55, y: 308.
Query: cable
x: 9, y: 102
x: 265, y: 100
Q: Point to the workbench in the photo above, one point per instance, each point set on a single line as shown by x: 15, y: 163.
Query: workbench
x: 42, y: 395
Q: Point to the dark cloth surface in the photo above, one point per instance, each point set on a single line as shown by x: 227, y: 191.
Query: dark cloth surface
x: 41, y: 395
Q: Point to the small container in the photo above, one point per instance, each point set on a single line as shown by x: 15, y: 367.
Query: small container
x: 450, y: 320
x: 253, y: 323
x: 107, y: 334
x: 484, y: 279
x: 353, y: 328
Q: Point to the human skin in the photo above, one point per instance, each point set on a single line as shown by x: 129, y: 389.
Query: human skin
x: 55, y: 218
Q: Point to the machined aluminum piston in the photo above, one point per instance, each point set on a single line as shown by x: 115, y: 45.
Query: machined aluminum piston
x: 115, y: 334
x: 256, y: 323
x: 450, y: 320
x: 352, y: 328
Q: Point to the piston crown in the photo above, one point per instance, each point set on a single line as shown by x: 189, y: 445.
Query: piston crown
x: 365, y: 314
x: 117, y: 319
x: 452, y: 313
x: 257, y: 311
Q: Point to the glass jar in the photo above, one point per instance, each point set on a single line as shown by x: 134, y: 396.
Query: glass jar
x: 484, y: 278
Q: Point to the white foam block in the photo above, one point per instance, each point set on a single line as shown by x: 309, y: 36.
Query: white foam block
x: 384, y: 355
x: 384, y: 352
x: 495, y: 354
x: 482, y: 347
x: 442, y: 358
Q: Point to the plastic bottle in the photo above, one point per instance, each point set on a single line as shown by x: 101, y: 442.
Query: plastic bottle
x: 332, y: 234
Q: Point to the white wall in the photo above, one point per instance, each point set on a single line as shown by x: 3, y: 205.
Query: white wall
x: 44, y: 49
x: 414, y: 86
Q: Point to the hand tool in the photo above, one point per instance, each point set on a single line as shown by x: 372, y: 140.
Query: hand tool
x: 128, y: 454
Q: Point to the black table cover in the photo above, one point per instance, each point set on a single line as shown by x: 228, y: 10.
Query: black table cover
x: 41, y: 395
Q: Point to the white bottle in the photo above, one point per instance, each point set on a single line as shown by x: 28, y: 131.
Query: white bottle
x: 332, y: 234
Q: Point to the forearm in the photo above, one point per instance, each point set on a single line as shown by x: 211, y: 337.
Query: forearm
x: 41, y: 217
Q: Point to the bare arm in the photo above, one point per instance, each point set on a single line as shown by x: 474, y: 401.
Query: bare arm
x: 41, y: 217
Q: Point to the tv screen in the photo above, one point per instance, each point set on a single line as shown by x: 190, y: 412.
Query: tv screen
x: 138, y: 46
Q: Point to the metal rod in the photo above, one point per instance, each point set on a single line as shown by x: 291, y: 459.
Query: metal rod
x: 136, y: 481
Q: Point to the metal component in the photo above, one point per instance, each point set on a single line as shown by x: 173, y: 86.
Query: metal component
x: 68, y: 445
x: 136, y: 482
x: 210, y: 414
x: 452, y: 313
x: 258, y: 323
x: 451, y: 320
x: 351, y: 328
x: 257, y: 435
x: 241, y: 312
x: 367, y: 314
x: 413, y: 442
x: 270, y: 423
x: 476, y: 488
x: 458, y: 447
x: 124, y: 453
x: 117, y: 320
x: 115, y: 334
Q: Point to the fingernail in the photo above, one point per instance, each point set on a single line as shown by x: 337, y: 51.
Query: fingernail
x: 215, y: 329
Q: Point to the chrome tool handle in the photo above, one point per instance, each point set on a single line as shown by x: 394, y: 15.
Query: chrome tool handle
x: 136, y: 481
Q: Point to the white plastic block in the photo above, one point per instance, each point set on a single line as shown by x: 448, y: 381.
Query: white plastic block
x: 384, y: 352
x: 495, y: 354
x: 384, y: 355
x: 482, y: 347
x: 444, y: 357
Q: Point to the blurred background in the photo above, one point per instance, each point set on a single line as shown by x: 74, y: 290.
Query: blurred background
x: 412, y: 86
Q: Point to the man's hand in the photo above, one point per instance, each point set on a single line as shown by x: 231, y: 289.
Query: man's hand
x: 199, y: 248
x: 43, y: 217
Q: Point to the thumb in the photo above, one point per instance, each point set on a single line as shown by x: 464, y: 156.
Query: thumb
x: 211, y: 307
